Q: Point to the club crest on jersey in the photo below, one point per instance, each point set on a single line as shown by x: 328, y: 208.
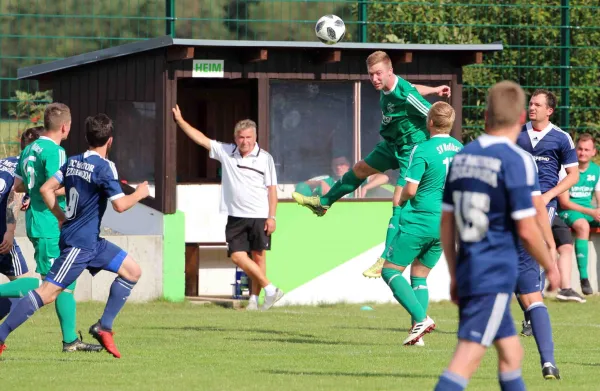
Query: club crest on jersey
x: 390, y: 107
x: 591, y: 178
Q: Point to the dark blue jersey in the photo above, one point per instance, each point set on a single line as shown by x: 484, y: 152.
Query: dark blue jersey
x: 90, y: 182
x: 551, y: 147
x: 7, y: 179
x: 489, y: 186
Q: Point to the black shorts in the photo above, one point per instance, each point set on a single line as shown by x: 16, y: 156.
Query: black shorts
x: 246, y: 234
x: 561, y: 232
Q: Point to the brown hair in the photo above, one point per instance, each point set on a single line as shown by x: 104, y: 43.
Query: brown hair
x: 378, y: 57
x: 585, y: 137
x: 442, y: 115
x: 550, y: 97
x: 30, y: 135
x: 98, y: 129
x: 505, y: 105
x: 56, y: 115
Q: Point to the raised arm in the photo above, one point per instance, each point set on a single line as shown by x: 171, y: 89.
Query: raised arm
x: 443, y: 91
x: 197, y: 136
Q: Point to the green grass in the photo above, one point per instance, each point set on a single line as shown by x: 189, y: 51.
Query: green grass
x: 186, y: 346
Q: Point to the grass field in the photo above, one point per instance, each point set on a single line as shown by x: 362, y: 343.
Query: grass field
x: 185, y: 346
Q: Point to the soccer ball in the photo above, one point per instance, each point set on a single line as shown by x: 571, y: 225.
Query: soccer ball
x: 330, y: 29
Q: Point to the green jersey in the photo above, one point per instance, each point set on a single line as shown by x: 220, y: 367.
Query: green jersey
x: 589, y: 182
x: 404, y: 114
x: 38, y: 162
x: 428, y: 166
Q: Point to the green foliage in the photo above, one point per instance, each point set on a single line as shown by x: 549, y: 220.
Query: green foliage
x: 30, y: 106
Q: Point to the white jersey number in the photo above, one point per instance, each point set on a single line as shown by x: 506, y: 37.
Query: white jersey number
x: 470, y: 210
x: 72, y: 205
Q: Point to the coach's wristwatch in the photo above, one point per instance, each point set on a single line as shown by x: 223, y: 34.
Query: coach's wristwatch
x: 273, y: 217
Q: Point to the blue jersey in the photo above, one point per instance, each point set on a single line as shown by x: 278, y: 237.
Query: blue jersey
x: 551, y: 148
x: 90, y: 182
x: 489, y: 186
x: 7, y: 179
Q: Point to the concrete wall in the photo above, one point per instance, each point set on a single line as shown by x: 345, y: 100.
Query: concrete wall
x: 147, y: 250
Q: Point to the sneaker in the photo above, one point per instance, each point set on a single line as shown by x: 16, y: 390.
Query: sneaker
x: 79, y: 346
x: 252, y: 306
x: 569, y: 295
x: 270, y: 300
x: 105, y: 338
x: 2, y: 348
x: 527, y: 330
x: 313, y: 203
x: 418, y: 330
x: 586, y: 288
x: 550, y: 372
x: 375, y: 270
x: 419, y: 342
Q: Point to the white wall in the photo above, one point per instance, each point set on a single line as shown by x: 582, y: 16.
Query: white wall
x: 200, y: 203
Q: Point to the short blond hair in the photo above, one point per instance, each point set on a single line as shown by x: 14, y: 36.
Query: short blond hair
x: 378, y: 57
x: 56, y: 115
x: 244, y: 124
x: 505, y: 105
x: 442, y: 115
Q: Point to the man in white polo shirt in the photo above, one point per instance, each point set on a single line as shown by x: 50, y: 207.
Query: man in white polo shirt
x: 249, y: 198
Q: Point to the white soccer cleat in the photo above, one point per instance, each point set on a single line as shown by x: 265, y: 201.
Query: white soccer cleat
x: 252, y: 306
x: 420, y: 342
x: 270, y: 300
x: 419, y: 330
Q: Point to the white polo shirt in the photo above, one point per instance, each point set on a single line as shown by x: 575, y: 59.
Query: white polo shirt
x: 244, y: 180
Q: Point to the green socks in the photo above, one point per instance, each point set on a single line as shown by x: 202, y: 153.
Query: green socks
x: 404, y: 293
x: 419, y: 286
x: 393, y: 228
x: 346, y: 185
x: 67, y: 314
x: 581, y: 251
x: 19, y: 287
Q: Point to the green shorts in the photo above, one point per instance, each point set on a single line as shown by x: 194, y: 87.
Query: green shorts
x: 46, y: 251
x: 386, y: 156
x: 570, y: 216
x: 407, y: 247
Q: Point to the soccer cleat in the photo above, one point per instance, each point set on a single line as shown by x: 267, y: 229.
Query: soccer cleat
x: 252, y: 306
x: 375, y: 270
x: 419, y: 342
x: 313, y: 203
x: 527, y: 330
x: 105, y: 338
x: 80, y: 346
x: 272, y: 299
x: 419, y: 330
x: 586, y: 288
x: 569, y: 295
x: 2, y: 348
x: 550, y: 372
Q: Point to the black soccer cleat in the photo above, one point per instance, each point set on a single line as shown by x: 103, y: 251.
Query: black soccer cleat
x: 527, y: 330
x: 550, y: 372
x: 569, y: 295
x: 79, y: 346
x: 586, y: 288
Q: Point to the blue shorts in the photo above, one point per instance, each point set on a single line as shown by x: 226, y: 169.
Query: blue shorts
x: 73, y: 261
x: 531, y: 276
x: 486, y: 318
x: 13, y: 263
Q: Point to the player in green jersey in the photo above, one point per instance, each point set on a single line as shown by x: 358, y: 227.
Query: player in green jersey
x: 417, y: 243
x: 576, y: 208
x: 39, y: 161
x: 402, y: 127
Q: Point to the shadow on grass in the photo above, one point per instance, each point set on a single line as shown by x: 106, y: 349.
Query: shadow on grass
x: 224, y: 329
x: 393, y: 330
x: 306, y: 341
x: 350, y: 374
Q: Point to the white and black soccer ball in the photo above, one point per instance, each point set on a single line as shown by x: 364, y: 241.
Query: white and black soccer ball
x: 330, y: 29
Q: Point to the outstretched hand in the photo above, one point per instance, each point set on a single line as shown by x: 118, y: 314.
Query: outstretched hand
x: 177, y: 113
x: 443, y: 91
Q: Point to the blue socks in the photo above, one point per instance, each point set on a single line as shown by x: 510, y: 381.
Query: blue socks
x: 21, y: 311
x: 542, y: 331
x: 450, y: 381
x: 119, y: 292
x: 511, y: 381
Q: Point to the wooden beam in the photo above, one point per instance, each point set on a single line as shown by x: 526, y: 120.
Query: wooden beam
x: 402, y: 58
x: 468, y: 58
x: 177, y: 53
x: 327, y: 56
x: 254, y: 55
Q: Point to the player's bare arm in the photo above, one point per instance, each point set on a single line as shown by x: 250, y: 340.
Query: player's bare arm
x: 448, y: 239
x: 270, y: 224
x: 19, y: 186
x: 197, y: 136
x: 48, y: 192
x: 566, y: 204
x: 530, y: 234
x: 443, y: 91
x: 122, y: 204
x: 544, y: 223
x: 569, y: 181
x: 11, y: 225
x: 408, y: 192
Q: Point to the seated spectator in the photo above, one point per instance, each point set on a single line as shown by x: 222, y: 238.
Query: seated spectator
x: 576, y: 207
